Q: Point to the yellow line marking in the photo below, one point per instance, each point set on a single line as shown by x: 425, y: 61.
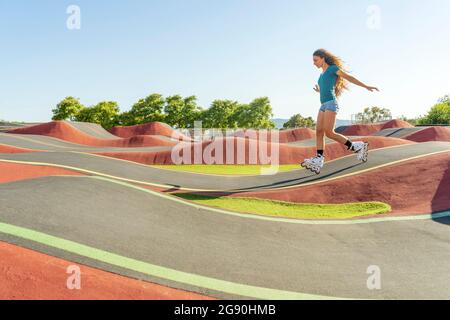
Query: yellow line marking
x: 94, y: 153
x: 215, y: 190
x: 12, y: 146
x: 12, y: 135
x: 85, y: 171
x: 361, y: 171
x: 229, y: 176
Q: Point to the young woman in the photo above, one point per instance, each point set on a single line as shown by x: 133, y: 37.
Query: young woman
x: 331, y: 84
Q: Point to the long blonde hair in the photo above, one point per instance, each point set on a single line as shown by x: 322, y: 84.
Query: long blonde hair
x: 330, y: 59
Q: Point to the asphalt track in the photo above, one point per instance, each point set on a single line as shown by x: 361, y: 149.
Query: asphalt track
x: 143, y: 234
x: 308, y: 142
x: 108, y: 222
x: 391, y: 132
x: 97, y: 131
x: 93, y: 129
x: 398, y: 132
x: 312, y: 142
x: 45, y: 143
x: 137, y: 173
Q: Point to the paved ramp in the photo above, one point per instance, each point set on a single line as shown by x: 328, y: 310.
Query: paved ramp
x: 221, y: 255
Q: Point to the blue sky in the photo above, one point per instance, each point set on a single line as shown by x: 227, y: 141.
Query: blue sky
x: 227, y: 49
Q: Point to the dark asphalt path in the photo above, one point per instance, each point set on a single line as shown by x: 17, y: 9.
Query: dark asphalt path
x: 398, y: 132
x: 37, y: 142
x: 185, y: 180
x: 330, y: 260
x: 92, y: 129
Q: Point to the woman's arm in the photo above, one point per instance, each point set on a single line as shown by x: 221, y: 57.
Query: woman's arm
x: 353, y: 80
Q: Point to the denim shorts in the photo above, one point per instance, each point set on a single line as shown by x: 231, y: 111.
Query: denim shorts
x: 331, y: 105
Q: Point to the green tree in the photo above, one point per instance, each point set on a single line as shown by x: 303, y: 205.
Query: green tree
x: 127, y: 119
x: 86, y: 115
x: 439, y: 114
x: 67, y: 109
x: 256, y: 115
x: 192, y: 112
x: 297, y: 121
x: 146, y: 110
x: 444, y: 99
x: 412, y: 122
x: 174, y: 110
x: 220, y: 115
x: 105, y: 113
x: 182, y: 112
x: 374, y: 114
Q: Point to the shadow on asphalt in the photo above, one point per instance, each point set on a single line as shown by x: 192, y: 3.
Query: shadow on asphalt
x: 297, y: 181
x: 290, y: 182
x: 173, y: 188
x: 445, y: 220
x: 441, y: 197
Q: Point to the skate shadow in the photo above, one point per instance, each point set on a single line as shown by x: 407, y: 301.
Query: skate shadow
x: 312, y: 177
x: 394, y: 132
x: 173, y: 188
x: 440, y: 204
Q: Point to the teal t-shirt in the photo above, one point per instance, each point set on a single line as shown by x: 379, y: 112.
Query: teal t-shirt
x: 327, y: 82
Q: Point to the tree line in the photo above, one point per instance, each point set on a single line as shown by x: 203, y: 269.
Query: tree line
x: 176, y: 111
x: 181, y: 112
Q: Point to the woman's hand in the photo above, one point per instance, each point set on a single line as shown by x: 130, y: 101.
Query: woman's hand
x: 317, y: 88
x: 371, y: 89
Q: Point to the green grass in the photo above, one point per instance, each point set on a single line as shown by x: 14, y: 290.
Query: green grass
x: 290, y: 209
x: 225, y: 169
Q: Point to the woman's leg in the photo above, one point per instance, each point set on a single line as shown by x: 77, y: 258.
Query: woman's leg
x: 320, y: 132
x: 360, y: 147
x: 329, y: 123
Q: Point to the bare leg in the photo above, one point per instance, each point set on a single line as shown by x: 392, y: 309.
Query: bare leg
x: 329, y: 124
x: 320, y: 131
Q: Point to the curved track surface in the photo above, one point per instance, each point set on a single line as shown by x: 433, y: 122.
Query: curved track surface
x: 150, y: 236
x: 398, y: 132
x: 130, y: 171
x: 98, y: 211
x: 45, y: 143
x: 93, y: 129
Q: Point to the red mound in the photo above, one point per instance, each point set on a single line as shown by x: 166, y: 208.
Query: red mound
x: 29, y: 275
x: 64, y: 131
x: 284, y: 136
x: 298, y: 134
x: 244, y: 151
x: 14, y: 172
x: 151, y: 128
x: 11, y: 149
x: 368, y: 129
x: 430, y: 134
x: 417, y: 186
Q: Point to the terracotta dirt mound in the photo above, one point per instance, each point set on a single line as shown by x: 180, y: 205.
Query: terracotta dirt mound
x: 30, y: 275
x: 430, y: 134
x: 11, y: 149
x: 411, y: 187
x: 64, y: 131
x: 284, y: 136
x: 15, y: 171
x: 368, y: 129
x: 247, y: 151
x: 151, y: 128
